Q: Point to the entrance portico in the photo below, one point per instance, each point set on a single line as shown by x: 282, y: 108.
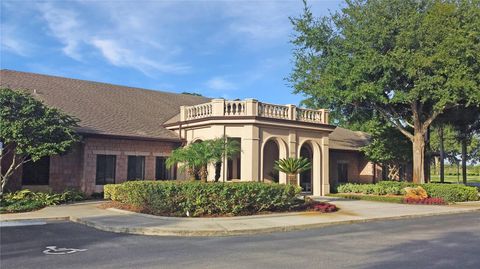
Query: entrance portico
x: 266, y: 132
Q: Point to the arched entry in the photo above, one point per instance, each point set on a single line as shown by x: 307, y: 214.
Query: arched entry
x: 306, y: 179
x: 271, y: 153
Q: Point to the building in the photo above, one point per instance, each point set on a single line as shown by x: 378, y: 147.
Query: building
x: 127, y: 134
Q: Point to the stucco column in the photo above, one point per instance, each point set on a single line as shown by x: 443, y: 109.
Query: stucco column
x: 218, y: 107
x: 317, y: 168
x: 292, y: 144
x: 250, y: 155
x: 325, y: 166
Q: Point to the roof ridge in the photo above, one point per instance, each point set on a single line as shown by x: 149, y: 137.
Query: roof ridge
x: 107, y: 84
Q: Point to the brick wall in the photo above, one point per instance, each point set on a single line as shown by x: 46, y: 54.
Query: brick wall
x: 121, y: 148
x: 77, y: 168
x: 359, y: 169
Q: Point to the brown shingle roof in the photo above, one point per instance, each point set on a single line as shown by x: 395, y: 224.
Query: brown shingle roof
x: 104, y: 108
x: 344, y: 139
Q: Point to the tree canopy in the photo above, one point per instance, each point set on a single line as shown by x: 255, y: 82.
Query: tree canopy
x: 407, y: 60
x: 30, y: 130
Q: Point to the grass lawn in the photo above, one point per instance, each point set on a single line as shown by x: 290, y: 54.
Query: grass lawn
x: 449, y: 178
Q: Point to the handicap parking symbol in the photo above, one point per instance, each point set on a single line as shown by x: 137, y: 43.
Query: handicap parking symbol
x: 54, y: 250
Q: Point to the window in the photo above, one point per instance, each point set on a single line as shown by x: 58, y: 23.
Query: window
x: 342, y: 172
x: 136, y: 168
x: 161, y: 170
x: 36, y: 173
x: 105, y: 169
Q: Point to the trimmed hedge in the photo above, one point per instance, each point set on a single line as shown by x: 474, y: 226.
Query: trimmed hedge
x: 380, y: 188
x: 451, y: 192
x: 448, y: 192
x: 174, y: 198
x: 376, y: 198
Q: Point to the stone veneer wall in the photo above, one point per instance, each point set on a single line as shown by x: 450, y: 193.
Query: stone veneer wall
x: 359, y: 169
x: 77, y: 168
x: 122, y: 148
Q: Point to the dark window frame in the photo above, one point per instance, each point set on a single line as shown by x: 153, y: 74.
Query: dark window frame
x: 31, y: 176
x: 132, y: 169
x: 343, y: 166
x: 102, y: 179
x: 161, y: 170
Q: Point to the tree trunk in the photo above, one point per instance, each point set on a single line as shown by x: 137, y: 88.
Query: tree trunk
x: 442, y: 154
x: 292, y: 179
x: 218, y: 168
x: 464, y: 160
x: 458, y: 172
x: 203, y: 173
x: 418, y: 144
x: 428, y: 158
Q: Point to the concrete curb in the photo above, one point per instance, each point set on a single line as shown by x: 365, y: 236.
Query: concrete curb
x: 156, y: 231
x: 38, y: 219
x: 259, y: 216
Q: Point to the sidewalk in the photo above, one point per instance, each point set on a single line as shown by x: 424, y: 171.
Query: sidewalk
x: 351, y: 211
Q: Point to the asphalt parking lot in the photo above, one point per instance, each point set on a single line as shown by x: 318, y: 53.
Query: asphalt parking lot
x: 450, y: 241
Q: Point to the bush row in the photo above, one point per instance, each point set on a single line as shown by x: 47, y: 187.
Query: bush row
x: 194, y: 199
x: 448, y: 192
x: 376, y: 198
x: 26, y: 200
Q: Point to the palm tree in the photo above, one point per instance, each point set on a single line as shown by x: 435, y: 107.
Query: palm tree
x: 292, y: 167
x: 192, y: 158
x: 222, y: 148
x: 196, y: 157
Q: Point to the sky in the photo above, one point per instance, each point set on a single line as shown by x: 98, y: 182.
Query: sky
x: 225, y: 49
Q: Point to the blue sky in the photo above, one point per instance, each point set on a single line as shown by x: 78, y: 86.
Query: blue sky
x: 229, y: 49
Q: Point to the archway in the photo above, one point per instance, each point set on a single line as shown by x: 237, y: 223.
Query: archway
x: 271, y: 153
x: 306, y: 177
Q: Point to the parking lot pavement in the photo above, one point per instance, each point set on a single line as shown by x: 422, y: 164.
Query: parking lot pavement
x: 450, y: 241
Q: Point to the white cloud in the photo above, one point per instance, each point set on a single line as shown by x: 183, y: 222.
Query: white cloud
x: 64, y: 25
x: 220, y: 84
x: 260, y: 21
x: 11, y: 42
x: 120, y: 56
x: 129, y: 41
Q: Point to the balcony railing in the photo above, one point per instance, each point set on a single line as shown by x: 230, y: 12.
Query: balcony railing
x: 251, y: 107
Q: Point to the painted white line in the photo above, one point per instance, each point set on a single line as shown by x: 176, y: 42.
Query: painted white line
x: 21, y: 223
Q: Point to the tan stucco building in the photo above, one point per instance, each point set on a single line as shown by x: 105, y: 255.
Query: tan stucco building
x: 127, y: 133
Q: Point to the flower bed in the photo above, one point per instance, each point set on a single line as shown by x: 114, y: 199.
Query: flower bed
x: 425, y: 201
x: 448, y: 192
x: 195, y: 199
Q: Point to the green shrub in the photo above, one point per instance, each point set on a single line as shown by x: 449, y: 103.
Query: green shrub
x: 203, y: 199
x: 20, y: 206
x: 72, y: 195
x: 451, y: 192
x: 388, y: 199
x: 448, y: 192
x: 27, y: 200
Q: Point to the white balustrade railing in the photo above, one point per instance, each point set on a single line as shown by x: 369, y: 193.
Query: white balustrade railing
x: 309, y: 115
x: 251, y: 107
x: 198, y: 111
x: 234, y: 108
x: 273, y: 111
